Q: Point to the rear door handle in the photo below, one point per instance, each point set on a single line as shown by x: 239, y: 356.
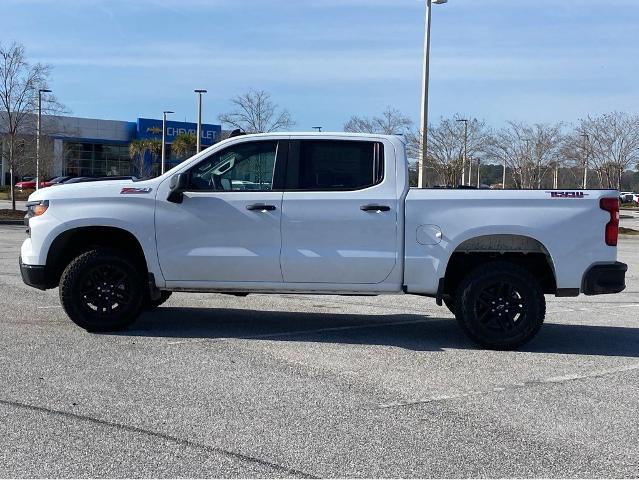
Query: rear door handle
x: 261, y: 207
x: 375, y: 208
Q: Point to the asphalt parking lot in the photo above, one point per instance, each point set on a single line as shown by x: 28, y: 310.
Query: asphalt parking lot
x: 302, y: 386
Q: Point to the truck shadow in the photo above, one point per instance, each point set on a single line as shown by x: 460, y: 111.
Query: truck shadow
x: 408, y: 331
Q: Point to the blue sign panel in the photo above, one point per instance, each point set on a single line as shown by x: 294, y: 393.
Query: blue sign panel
x: 151, y: 128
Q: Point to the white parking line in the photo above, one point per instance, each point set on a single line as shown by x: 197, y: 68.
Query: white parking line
x: 513, y: 386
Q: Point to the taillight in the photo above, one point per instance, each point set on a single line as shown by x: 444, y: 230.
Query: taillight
x: 611, y: 205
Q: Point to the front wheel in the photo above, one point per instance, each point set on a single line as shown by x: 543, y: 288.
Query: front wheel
x: 150, y: 304
x: 102, y: 291
x: 500, y: 306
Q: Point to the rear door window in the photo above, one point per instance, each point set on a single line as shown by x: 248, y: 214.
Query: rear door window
x: 321, y: 165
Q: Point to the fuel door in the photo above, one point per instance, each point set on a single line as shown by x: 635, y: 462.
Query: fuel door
x: 429, y: 235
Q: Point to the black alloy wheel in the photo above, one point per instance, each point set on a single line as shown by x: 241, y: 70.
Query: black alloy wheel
x: 500, y: 305
x: 102, y: 290
x: 105, y: 289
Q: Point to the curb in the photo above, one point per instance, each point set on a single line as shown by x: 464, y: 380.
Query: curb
x: 12, y: 222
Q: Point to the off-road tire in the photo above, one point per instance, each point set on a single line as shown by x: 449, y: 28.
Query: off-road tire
x: 102, y: 290
x: 450, y: 303
x: 500, y: 305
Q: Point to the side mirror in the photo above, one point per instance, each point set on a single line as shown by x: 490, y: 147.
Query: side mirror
x: 177, y: 187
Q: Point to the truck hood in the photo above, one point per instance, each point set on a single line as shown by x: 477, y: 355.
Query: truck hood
x: 100, y: 189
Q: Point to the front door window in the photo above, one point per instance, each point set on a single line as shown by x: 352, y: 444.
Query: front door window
x: 246, y: 166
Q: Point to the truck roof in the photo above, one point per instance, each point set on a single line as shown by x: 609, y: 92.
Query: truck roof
x: 324, y: 134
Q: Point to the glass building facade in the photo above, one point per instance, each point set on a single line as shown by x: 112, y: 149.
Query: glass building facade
x: 94, y: 147
x: 96, y: 159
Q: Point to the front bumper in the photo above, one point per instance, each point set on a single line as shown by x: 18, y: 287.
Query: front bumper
x: 34, y: 275
x: 604, y: 278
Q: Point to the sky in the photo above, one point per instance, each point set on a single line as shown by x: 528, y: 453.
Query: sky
x: 325, y: 60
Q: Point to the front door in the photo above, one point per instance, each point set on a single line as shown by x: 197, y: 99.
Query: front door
x: 339, y: 213
x: 227, y: 229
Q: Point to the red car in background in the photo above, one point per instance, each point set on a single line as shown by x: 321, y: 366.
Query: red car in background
x: 30, y: 184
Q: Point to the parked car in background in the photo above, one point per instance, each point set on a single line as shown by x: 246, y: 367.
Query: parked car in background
x: 27, y: 185
x: 57, y: 180
x: 626, y: 197
x: 98, y: 179
x: 30, y: 183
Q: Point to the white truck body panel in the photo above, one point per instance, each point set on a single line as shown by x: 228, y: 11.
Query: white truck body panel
x: 321, y: 242
x: 369, y: 248
x: 212, y: 237
x: 89, y: 205
x: 571, y: 230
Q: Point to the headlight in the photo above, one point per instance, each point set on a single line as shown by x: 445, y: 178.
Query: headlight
x: 37, y: 208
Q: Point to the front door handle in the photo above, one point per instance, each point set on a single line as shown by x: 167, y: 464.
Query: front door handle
x: 261, y: 207
x: 375, y: 208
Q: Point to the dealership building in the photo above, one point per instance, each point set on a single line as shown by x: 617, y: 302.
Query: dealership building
x: 93, y: 147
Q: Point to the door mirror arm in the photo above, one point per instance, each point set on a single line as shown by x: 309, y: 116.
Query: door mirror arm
x: 177, y: 187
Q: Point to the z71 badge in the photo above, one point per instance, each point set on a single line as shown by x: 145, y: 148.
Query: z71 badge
x: 135, y: 191
x: 568, y: 194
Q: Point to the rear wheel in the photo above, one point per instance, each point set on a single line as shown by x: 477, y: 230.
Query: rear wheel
x: 102, y: 290
x: 450, y: 303
x: 500, y: 305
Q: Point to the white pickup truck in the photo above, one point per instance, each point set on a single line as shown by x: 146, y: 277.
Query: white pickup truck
x: 319, y: 214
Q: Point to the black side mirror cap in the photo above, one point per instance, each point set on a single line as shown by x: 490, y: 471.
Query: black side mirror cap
x: 177, y: 187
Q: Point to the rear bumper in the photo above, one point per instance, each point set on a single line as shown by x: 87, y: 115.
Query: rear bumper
x: 34, y: 275
x: 604, y: 278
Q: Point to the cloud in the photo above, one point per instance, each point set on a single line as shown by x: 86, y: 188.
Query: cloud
x: 352, y: 65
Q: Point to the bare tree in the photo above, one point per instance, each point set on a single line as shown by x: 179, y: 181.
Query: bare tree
x: 391, y: 122
x: 255, y: 112
x: 25, y: 158
x: 613, y: 143
x: 19, y: 85
x: 446, y: 147
x: 530, y: 151
x: 576, y: 152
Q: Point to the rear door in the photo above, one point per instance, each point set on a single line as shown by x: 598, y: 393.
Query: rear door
x: 339, y: 213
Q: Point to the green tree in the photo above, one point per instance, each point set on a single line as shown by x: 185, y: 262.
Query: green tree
x: 184, y: 145
x: 137, y: 151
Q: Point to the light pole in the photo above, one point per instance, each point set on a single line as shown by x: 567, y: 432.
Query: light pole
x: 38, y: 133
x: 585, y: 154
x: 199, y: 119
x: 503, y: 182
x: 164, y: 113
x: 478, y: 170
x: 425, y: 79
x: 463, y: 181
